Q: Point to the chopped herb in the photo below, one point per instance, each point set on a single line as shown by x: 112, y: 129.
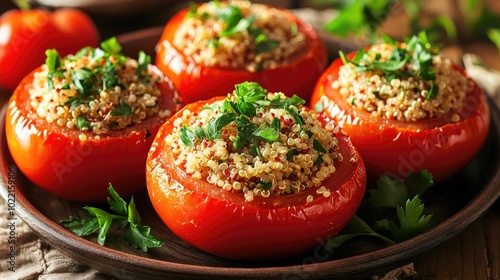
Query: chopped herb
x: 125, y: 217
x: 109, y: 77
x: 54, y: 63
x: 291, y: 153
x: 193, y: 10
x: 213, y: 128
x: 318, y: 147
x: 433, y: 91
x: 187, y: 136
x: 235, y: 22
x: 82, y: 122
x: 199, y: 133
x: 268, y: 134
x: 111, y: 46
x: 318, y: 161
x: 123, y: 110
x: 418, y: 51
x: 143, y: 61
x: 265, y: 185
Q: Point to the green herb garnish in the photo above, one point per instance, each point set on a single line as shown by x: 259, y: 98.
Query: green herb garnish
x: 122, y: 110
x: 249, y: 96
x: 392, y: 212
x: 419, y: 52
x: 90, y: 82
x: 54, y: 64
x: 143, y: 61
x: 234, y: 23
x: 82, y: 122
x: 124, y: 217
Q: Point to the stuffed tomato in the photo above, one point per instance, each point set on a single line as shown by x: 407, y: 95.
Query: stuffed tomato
x: 78, y: 123
x: 208, y: 48
x: 254, y: 175
x: 406, y: 108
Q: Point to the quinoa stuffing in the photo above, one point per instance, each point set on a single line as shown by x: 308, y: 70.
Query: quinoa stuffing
x: 256, y: 143
x: 96, y: 90
x: 238, y: 34
x: 405, y: 81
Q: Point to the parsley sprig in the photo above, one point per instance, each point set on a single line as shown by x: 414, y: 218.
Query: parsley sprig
x: 392, y: 212
x: 418, y: 52
x: 124, y: 216
x: 249, y: 96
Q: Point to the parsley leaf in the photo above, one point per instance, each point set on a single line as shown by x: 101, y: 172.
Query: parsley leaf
x: 187, y: 136
x: 111, y: 46
x: 124, y: 216
x: 213, y: 128
x: 122, y: 110
x: 411, y: 220
x: 268, y: 134
x: 392, y: 212
x: 143, y: 61
x: 318, y: 147
x: 82, y: 122
x: 54, y: 63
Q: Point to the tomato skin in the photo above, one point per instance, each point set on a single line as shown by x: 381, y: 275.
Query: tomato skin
x: 26, y: 34
x: 398, y: 148
x: 224, y: 224
x: 55, y: 159
x: 197, y: 82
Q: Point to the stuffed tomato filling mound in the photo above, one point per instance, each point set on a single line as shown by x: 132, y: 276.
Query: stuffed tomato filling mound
x: 405, y: 107
x: 239, y: 35
x: 78, y: 123
x: 254, y: 175
x: 238, y: 41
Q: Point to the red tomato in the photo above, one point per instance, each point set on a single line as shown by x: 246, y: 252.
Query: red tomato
x: 224, y: 224
x: 55, y: 159
x: 198, y: 82
x: 389, y: 146
x: 26, y: 34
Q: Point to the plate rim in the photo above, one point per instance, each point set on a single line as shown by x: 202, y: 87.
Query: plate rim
x: 373, y: 260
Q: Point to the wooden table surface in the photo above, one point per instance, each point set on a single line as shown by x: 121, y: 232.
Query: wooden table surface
x: 472, y: 254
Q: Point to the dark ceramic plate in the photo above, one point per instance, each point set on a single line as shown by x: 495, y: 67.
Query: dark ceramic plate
x: 458, y: 201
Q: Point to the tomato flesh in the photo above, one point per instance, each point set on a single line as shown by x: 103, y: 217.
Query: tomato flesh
x: 398, y: 148
x: 197, y: 82
x: 224, y: 224
x: 54, y: 158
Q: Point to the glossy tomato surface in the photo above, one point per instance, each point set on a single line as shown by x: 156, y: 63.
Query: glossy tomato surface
x: 56, y: 160
x: 224, y: 224
x: 398, y: 148
x: 26, y: 34
x: 198, y: 82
